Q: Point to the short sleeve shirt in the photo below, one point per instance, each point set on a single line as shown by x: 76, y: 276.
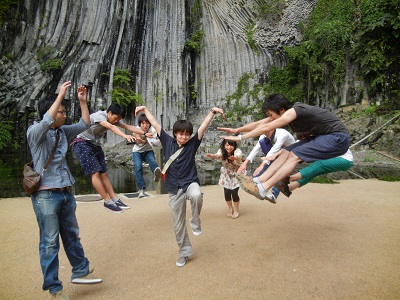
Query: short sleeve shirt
x: 315, y: 120
x: 96, y: 131
x: 182, y: 171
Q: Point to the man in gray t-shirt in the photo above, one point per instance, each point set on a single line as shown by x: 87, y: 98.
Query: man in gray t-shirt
x: 87, y: 148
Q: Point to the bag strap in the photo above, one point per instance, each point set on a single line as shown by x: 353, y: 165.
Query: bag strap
x: 171, y: 159
x: 52, y: 153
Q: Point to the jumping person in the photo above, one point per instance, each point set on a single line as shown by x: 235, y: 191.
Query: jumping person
x: 328, y: 138
x: 87, y: 149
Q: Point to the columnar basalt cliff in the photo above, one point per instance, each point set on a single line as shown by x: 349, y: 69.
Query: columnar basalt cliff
x: 84, y: 40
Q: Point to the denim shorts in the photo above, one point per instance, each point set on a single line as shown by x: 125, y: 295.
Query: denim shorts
x: 91, y: 157
x: 321, y: 146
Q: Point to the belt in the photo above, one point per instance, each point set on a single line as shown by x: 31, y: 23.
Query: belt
x: 67, y: 188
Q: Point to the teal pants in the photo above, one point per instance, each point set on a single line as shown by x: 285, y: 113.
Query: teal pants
x: 321, y: 167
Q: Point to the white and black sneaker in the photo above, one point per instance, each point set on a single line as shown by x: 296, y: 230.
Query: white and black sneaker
x: 113, y: 207
x: 121, y: 204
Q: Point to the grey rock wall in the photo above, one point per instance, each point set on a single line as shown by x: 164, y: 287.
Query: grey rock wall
x: 83, y: 34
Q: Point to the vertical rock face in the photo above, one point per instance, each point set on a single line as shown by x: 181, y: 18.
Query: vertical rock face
x: 80, y: 37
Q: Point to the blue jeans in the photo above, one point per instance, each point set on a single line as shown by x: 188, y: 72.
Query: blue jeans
x: 55, y: 214
x: 138, y: 159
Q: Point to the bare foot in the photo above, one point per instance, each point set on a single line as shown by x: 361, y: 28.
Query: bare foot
x: 230, y: 212
x: 235, y: 215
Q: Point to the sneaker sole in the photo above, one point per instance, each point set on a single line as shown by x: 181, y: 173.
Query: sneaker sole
x: 157, y: 175
x: 124, y: 207
x: 86, y: 281
x: 114, y: 211
x: 182, y: 264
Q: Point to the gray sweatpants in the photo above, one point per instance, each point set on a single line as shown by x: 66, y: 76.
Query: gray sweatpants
x: 178, y: 205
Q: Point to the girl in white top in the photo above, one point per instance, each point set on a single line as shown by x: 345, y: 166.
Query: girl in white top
x: 232, y: 158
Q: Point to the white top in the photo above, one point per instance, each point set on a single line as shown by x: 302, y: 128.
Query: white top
x: 282, y: 139
x: 348, y: 155
x: 149, y: 142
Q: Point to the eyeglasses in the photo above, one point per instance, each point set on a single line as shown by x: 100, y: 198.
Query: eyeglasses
x: 62, y: 112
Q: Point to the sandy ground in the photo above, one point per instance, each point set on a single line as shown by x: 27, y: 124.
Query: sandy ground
x: 331, y: 241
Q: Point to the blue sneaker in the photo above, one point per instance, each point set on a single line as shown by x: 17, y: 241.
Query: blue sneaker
x: 113, y: 207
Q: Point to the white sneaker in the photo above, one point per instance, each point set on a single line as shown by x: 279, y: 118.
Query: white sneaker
x: 197, y: 232
x: 181, y: 261
x: 88, y: 279
x: 141, y: 193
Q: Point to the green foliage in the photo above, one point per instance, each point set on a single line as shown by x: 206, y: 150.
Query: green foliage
x: 5, y: 6
x: 270, y: 8
x: 369, y: 159
x: 158, y: 94
x: 235, y: 110
x: 122, y: 92
x: 52, y: 65
x: 370, y: 110
x: 6, y: 129
x: 194, y: 43
x: 323, y: 179
x: 249, y: 30
x: 337, y: 31
x: 390, y: 178
x: 193, y: 92
x: 376, y: 47
x: 44, y: 52
x: 284, y: 81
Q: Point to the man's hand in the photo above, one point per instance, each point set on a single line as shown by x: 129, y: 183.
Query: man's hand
x: 231, y: 138
x: 217, y: 110
x: 228, y: 130
x: 242, y: 168
x: 63, y: 89
x: 139, y: 109
x: 82, y: 93
x: 140, y: 138
x: 130, y: 138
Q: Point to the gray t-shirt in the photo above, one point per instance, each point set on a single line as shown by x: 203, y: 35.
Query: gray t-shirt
x: 96, y: 131
x: 315, y: 120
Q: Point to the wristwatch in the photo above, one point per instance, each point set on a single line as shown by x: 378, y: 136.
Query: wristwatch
x: 213, y: 111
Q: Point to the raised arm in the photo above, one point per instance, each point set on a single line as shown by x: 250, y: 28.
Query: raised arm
x: 208, y: 120
x: 53, y: 110
x: 82, y: 96
x: 153, y: 121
